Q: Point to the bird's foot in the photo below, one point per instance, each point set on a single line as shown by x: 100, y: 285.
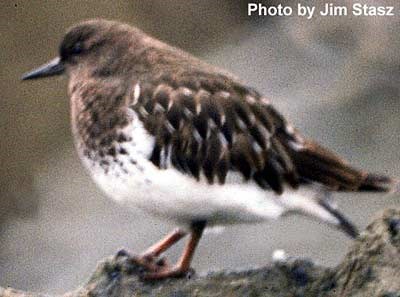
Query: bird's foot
x: 168, y: 271
x: 150, y: 264
x: 156, y: 268
x: 145, y: 261
x: 159, y: 268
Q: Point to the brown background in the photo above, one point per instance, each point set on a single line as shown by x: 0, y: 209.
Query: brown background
x: 336, y: 78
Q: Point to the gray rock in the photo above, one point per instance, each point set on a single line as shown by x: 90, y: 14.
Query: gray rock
x: 371, y: 268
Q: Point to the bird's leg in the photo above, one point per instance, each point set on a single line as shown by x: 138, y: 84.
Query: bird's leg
x: 183, y: 265
x: 164, y: 244
x: 148, y: 258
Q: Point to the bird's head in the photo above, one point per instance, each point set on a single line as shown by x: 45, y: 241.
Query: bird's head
x: 101, y: 46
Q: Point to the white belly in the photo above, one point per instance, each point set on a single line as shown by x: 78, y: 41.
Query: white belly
x: 175, y: 196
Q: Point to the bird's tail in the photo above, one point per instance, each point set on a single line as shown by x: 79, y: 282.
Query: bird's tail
x: 324, y: 172
x: 378, y: 183
x: 317, y: 164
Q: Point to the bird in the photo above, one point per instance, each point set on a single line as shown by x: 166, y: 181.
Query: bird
x: 164, y: 132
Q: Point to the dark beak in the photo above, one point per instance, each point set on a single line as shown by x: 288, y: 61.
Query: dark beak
x: 54, y: 67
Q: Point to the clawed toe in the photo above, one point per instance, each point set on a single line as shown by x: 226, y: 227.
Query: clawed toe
x: 168, y: 272
x: 146, y: 263
x: 149, y: 263
x: 157, y: 269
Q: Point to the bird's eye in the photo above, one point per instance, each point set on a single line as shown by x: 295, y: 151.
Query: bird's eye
x: 77, y: 48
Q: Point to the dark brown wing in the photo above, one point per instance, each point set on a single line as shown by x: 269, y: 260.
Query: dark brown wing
x: 208, y: 124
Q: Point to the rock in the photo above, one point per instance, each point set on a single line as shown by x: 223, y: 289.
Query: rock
x: 371, y: 268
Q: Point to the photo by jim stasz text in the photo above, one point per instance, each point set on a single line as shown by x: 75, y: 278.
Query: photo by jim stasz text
x: 326, y: 9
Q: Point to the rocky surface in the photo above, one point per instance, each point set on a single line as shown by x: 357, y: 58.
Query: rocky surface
x: 370, y: 268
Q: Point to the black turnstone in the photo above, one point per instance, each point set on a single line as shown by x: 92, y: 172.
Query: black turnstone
x: 164, y: 132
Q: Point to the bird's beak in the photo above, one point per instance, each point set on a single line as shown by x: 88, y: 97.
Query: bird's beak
x: 54, y: 67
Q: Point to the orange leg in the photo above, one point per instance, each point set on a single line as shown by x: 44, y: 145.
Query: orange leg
x: 164, y: 244
x: 183, y: 265
x: 149, y: 257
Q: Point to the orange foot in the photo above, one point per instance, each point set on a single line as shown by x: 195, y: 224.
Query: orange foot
x: 158, y: 268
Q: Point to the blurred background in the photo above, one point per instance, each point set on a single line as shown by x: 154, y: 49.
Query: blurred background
x: 335, y: 78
